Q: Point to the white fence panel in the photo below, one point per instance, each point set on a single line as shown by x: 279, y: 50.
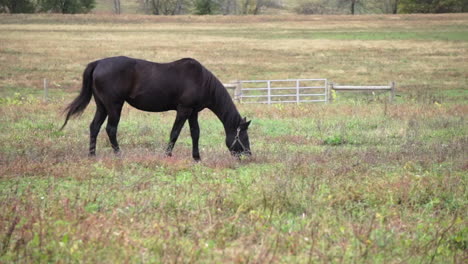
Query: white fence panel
x: 295, y: 90
x: 282, y: 91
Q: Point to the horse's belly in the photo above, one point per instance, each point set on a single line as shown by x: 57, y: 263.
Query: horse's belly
x: 148, y: 103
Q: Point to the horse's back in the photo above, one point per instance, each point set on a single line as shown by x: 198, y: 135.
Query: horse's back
x: 151, y: 86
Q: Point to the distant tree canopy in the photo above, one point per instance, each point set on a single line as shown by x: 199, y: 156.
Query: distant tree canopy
x: 341, y: 6
x: 164, y: 7
x: 379, y: 6
x: 67, y: 6
x: 434, y: 6
x: 17, y: 6
x: 54, y: 6
x: 204, y: 7
x: 237, y: 7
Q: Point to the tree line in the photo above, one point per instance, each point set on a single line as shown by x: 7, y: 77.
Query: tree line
x: 47, y: 6
x: 243, y: 7
x: 380, y: 6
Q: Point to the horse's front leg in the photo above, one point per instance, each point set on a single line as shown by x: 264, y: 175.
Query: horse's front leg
x: 195, y: 133
x: 183, y: 114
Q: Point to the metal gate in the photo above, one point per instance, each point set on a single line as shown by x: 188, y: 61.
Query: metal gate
x: 282, y: 91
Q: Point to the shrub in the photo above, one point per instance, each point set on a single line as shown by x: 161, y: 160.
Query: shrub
x: 334, y: 140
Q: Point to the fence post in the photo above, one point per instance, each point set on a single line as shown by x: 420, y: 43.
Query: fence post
x: 238, y: 91
x: 392, y: 91
x: 46, y: 90
x: 269, y: 91
x: 297, y: 92
x: 330, y: 91
x: 326, y: 91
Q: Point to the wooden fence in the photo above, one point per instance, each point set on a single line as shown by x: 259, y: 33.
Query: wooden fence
x: 373, y: 88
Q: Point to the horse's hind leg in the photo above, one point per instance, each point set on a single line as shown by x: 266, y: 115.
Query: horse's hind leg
x: 112, y: 123
x: 95, y: 126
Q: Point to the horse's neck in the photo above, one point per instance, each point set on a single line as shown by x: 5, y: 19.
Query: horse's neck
x: 225, y: 110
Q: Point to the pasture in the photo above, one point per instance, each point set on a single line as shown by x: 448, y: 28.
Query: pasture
x: 356, y: 181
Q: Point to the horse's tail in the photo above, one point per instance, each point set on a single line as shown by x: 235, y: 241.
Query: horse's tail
x: 79, y: 104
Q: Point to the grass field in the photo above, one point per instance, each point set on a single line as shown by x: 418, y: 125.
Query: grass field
x: 356, y: 181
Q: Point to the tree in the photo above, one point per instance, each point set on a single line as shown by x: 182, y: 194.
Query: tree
x: 67, y: 6
x: 308, y: 7
x: 389, y: 6
x: 228, y: 7
x: 252, y: 7
x: 395, y: 6
x: 204, y: 7
x: 164, y: 7
x: 353, y: 4
x: 17, y: 6
x: 384, y: 6
x: 56, y: 6
x: 117, y: 9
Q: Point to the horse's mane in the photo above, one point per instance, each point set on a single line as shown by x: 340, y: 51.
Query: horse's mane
x: 222, y: 104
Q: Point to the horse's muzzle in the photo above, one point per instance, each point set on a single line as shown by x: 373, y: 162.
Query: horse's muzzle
x: 238, y: 154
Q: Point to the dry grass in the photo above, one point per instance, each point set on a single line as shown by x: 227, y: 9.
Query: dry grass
x: 410, y: 50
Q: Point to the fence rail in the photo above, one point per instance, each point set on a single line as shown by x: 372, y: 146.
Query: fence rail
x: 280, y: 91
x: 390, y: 88
x: 306, y: 90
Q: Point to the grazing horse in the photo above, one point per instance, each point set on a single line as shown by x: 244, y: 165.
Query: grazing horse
x: 183, y: 85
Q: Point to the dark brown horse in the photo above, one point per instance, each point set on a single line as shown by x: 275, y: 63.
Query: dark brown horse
x: 184, y: 85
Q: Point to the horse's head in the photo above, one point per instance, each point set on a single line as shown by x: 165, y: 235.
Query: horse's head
x: 237, y: 140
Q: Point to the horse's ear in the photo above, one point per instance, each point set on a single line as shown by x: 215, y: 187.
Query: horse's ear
x: 245, y: 124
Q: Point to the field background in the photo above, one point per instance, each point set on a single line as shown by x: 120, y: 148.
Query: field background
x: 356, y: 181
